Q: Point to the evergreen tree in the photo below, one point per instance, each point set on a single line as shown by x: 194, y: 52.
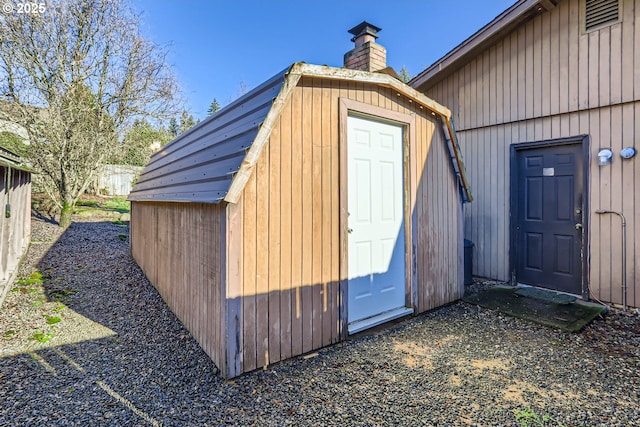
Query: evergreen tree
x: 173, y: 129
x: 186, y: 121
x: 404, y: 75
x: 139, y: 143
x: 214, y: 107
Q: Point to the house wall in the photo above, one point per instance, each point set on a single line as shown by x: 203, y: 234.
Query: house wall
x: 289, y: 269
x: 180, y: 247
x: 546, y: 80
x: 15, y: 231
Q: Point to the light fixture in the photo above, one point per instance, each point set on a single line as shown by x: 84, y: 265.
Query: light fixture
x: 628, y: 152
x: 604, y: 156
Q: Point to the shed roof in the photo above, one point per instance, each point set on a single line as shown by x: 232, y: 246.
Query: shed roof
x: 213, y: 161
x: 12, y: 160
x: 520, y: 12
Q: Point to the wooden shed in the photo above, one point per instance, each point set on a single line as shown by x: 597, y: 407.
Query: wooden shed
x: 537, y: 94
x: 15, y: 221
x: 325, y: 201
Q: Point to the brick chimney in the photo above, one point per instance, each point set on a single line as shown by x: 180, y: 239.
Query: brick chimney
x: 367, y: 55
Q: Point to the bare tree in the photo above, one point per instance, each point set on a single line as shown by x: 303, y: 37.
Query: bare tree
x: 75, y: 76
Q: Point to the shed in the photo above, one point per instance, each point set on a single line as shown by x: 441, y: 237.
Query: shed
x: 15, y: 221
x: 323, y: 202
x: 537, y: 94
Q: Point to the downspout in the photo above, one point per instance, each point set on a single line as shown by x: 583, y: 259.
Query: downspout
x: 459, y: 166
x: 7, y: 180
x: 624, y: 252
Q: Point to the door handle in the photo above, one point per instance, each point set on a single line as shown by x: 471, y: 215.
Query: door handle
x: 578, y: 226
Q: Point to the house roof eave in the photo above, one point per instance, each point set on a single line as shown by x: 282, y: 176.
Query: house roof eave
x: 519, y: 12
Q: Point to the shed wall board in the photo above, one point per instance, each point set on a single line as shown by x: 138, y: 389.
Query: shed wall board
x: 15, y: 231
x: 261, y: 279
x: 178, y: 247
x: 291, y: 264
x: 555, y: 81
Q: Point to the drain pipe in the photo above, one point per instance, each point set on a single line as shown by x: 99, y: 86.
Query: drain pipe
x: 624, y: 252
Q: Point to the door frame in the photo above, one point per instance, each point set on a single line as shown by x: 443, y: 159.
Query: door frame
x: 348, y: 107
x: 582, y: 140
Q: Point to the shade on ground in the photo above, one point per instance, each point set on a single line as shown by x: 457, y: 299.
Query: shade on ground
x: 543, y: 307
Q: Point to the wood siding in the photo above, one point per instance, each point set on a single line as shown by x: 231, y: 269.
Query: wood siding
x: 550, y: 79
x: 290, y: 220
x: 15, y: 231
x: 180, y: 247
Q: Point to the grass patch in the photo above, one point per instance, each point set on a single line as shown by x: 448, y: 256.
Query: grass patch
x: 117, y: 204
x: 122, y: 236
x: 88, y: 203
x: 8, y: 334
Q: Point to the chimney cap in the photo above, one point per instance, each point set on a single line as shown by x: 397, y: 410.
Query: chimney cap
x: 364, y: 28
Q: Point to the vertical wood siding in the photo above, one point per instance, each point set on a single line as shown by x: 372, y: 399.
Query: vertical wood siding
x: 548, y: 79
x: 178, y: 246
x: 290, y: 223
x: 15, y: 231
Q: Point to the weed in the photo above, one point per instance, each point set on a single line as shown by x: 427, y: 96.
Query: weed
x: 527, y: 418
x: 122, y: 236
x: 41, y: 337
x: 52, y: 320
x: 10, y: 333
x: 61, y: 294
x: 59, y: 308
x: 118, y: 222
x: 36, y: 278
x: 38, y: 302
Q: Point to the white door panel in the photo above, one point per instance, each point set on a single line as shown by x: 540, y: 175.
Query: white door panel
x: 376, y: 242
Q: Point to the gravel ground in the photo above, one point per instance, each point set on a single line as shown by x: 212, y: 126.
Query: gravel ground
x: 116, y: 355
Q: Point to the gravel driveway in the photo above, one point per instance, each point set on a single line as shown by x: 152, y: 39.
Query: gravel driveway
x: 92, y: 343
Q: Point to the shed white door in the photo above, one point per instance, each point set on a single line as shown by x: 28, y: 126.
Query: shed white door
x: 376, y: 242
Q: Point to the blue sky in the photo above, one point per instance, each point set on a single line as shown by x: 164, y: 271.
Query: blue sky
x: 218, y: 47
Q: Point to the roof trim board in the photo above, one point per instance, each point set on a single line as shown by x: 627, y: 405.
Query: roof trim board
x: 11, y: 160
x: 300, y: 69
x: 253, y: 154
x: 186, y: 151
